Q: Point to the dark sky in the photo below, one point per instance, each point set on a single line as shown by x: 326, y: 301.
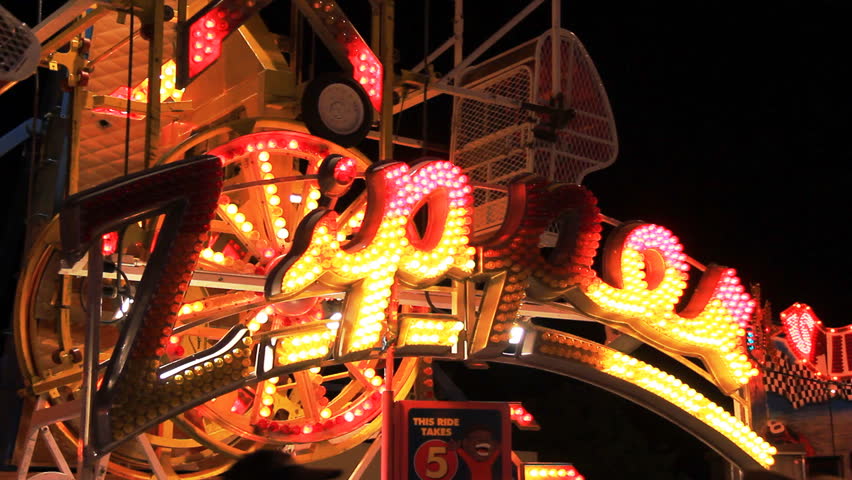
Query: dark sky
x: 733, y: 126
x: 734, y: 132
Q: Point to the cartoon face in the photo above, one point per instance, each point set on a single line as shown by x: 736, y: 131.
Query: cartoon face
x: 480, y: 444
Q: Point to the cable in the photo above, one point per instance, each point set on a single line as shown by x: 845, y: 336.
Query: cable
x: 432, y: 305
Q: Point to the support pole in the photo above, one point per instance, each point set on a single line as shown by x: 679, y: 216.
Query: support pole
x: 78, y: 101
x: 387, y: 418
x: 89, y: 464
x: 155, y: 63
x: 386, y: 141
x: 387, y: 395
x: 556, y: 50
x: 368, y: 457
x: 484, y: 46
x: 458, y: 36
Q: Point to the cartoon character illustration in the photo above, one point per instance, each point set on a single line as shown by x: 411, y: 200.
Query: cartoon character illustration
x: 480, y: 450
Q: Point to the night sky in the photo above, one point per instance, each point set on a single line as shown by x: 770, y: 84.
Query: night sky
x: 734, y: 133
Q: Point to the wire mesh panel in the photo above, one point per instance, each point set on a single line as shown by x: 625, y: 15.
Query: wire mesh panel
x: 494, y: 143
x: 19, y: 49
x: 491, y: 142
x: 588, y: 142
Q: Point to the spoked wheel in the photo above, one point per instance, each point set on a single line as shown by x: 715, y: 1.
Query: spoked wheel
x: 321, y: 412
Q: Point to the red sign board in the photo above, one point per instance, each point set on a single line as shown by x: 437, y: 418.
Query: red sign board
x: 453, y: 441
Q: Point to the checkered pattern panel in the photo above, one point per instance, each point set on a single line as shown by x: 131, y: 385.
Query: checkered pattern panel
x: 798, y: 384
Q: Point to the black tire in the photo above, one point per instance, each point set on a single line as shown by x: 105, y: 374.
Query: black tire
x: 336, y: 108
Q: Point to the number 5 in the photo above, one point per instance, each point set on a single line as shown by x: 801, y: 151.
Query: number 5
x: 436, y: 456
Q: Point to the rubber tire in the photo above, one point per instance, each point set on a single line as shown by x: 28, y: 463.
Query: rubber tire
x: 312, y: 115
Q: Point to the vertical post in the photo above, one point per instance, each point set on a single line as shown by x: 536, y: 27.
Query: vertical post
x: 78, y: 101
x: 556, y: 98
x: 296, y: 41
x: 386, y: 139
x: 375, y: 26
x: 87, y: 457
x: 387, y: 395
x: 155, y: 63
x: 458, y: 35
x: 387, y: 418
x: 556, y: 50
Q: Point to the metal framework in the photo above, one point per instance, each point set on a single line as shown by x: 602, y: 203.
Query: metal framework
x: 267, y: 96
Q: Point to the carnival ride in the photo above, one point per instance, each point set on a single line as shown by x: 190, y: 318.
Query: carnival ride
x: 250, y: 299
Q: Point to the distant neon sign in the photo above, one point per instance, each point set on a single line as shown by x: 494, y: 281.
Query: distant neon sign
x: 824, y: 350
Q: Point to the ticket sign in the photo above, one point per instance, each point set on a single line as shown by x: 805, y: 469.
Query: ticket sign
x: 453, y: 441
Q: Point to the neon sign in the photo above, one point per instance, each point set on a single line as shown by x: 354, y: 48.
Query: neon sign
x: 376, y: 248
x: 387, y: 245
x: 825, y: 351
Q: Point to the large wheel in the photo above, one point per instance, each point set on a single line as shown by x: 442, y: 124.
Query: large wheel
x: 322, y: 412
x: 336, y: 108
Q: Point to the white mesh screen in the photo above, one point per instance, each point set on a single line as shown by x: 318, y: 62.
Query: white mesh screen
x: 491, y: 141
x: 589, y: 141
x: 494, y: 143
